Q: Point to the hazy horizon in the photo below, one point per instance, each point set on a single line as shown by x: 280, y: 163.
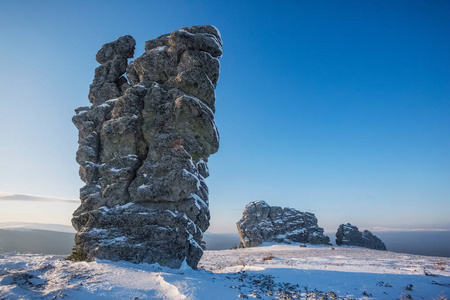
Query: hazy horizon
x: 31, y: 238
x: 54, y: 212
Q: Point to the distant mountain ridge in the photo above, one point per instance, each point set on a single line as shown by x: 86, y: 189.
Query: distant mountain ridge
x: 25, y: 240
x: 422, y: 243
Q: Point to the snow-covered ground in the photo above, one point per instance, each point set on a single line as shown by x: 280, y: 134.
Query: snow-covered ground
x: 266, y: 272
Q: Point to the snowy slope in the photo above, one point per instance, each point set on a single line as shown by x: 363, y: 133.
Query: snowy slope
x: 266, y: 272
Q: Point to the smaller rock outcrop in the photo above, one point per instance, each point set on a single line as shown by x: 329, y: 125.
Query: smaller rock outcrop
x: 264, y: 223
x: 348, y: 234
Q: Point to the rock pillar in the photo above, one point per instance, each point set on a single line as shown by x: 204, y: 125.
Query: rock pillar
x: 143, y: 150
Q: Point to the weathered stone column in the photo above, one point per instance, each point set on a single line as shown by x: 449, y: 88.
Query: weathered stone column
x: 144, y: 147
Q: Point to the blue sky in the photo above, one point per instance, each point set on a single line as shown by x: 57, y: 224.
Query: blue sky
x: 338, y: 108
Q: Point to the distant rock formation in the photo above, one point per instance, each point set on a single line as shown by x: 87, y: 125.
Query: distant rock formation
x: 349, y: 235
x: 143, y: 149
x: 263, y: 223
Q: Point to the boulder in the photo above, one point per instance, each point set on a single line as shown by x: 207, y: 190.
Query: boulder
x: 348, y: 234
x: 264, y: 223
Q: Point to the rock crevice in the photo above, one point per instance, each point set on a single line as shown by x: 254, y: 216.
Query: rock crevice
x: 144, y: 146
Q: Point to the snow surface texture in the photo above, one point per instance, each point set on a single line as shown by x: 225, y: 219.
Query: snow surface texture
x: 266, y: 272
x: 261, y: 222
x: 143, y: 149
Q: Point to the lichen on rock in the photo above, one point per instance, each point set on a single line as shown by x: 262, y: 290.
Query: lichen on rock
x: 144, y: 146
x: 264, y: 223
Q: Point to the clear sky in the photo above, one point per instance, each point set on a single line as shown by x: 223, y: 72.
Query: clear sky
x: 340, y: 108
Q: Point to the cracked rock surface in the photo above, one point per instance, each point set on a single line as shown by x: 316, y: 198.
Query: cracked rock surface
x: 348, y: 234
x: 143, y: 149
x: 264, y: 223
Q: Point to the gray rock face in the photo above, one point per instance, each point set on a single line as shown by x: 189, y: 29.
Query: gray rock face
x: 349, y: 235
x: 263, y: 223
x: 109, y: 81
x: 144, y: 147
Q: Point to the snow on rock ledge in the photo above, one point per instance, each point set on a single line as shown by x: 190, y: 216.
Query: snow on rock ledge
x: 348, y: 234
x: 143, y: 149
x: 264, y: 223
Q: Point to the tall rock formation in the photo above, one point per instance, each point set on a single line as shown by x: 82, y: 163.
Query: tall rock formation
x: 143, y: 149
x: 264, y: 223
x: 348, y: 234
